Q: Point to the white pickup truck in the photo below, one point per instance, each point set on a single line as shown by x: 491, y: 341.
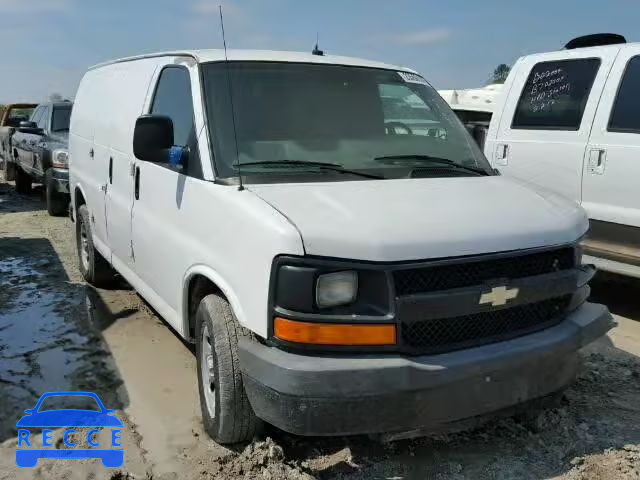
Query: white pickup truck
x: 569, y: 121
x: 338, y: 271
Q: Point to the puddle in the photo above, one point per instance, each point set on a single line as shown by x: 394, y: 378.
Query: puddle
x: 43, y: 346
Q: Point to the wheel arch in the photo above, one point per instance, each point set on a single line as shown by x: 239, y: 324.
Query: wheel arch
x: 199, y: 282
x: 79, y: 198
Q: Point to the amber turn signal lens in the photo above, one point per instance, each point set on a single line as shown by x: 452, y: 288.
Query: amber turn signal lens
x: 334, y: 334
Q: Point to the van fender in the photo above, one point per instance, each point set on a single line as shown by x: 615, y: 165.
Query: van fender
x: 217, y: 279
x: 76, y: 187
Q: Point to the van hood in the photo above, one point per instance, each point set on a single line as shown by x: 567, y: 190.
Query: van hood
x: 411, y: 219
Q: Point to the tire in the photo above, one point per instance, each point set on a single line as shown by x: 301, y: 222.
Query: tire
x: 8, y: 170
x: 93, y: 266
x: 56, y: 202
x: 23, y: 181
x: 230, y: 418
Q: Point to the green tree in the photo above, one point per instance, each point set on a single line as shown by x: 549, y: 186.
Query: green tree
x: 500, y: 73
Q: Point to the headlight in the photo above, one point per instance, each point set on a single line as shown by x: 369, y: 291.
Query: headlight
x: 339, y: 288
x: 60, y: 159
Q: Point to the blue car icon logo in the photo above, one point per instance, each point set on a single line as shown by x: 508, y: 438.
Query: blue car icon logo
x: 69, y: 419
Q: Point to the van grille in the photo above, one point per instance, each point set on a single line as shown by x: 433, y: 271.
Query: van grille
x: 476, y: 272
x: 448, y: 334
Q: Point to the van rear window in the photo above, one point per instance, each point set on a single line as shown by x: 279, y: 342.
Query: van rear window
x: 555, y: 95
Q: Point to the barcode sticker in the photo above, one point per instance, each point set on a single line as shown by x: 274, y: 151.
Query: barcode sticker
x: 412, y: 78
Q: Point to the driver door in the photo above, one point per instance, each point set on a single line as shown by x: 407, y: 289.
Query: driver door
x: 21, y: 143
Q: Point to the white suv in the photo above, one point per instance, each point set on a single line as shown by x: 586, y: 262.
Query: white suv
x: 569, y: 121
x: 340, y: 271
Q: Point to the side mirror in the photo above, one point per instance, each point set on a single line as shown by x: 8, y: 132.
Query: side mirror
x: 15, y: 121
x: 29, y: 127
x: 153, y: 138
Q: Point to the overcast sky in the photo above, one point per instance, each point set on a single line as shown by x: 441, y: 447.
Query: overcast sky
x: 48, y: 44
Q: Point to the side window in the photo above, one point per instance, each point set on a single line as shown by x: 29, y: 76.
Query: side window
x: 173, y: 99
x: 555, y: 95
x: 37, y: 115
x: 625, y: 114
x: 60, y: 119
x: 17, y: 115
x: 43, y: 121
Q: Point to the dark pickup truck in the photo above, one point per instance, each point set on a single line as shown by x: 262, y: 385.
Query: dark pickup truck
x: 40, y: 154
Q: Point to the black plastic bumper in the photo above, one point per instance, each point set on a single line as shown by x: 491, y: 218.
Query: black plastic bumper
x: 366, y: 394
x: 58, y: 179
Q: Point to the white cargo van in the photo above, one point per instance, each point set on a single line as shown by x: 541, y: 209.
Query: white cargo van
x: 340, y: 272
x: 569, y: 121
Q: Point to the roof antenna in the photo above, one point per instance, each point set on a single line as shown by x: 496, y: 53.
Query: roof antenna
x: 316, y: 50
x: 233, y: 112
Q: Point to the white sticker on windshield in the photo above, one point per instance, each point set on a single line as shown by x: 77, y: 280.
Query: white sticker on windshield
x: 412, y: 78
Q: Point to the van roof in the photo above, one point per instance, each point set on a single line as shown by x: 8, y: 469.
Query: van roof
x: 218, y: 55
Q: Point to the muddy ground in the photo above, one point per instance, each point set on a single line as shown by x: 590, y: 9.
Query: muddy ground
x: 58, y: 333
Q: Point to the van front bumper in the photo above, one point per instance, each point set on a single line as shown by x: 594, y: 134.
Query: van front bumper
x: 369, y: 394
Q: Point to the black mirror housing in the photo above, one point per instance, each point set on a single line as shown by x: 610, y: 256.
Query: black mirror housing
x: 153, y: 138
x: 27, y: 126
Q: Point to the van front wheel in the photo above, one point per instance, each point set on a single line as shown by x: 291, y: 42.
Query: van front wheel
x: 226, y: 412
x: 93, y: 266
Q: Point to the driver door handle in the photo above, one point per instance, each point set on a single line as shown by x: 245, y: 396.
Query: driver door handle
x: 137, y: 183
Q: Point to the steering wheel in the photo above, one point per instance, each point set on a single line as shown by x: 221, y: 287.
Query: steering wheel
x: 390, y: 128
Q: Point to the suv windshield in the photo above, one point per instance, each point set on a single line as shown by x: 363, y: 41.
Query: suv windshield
x: 60, y: 119
x: 384, y: 123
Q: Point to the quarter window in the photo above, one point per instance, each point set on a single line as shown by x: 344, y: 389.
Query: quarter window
x: 37, y: 115
x: 173, y: 99
x: 625, y: 115
x: 44, y: 119
x: 555, y: 95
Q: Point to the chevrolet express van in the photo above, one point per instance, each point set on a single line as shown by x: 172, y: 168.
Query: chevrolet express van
x: 569, y: 121
x: 339, y: 271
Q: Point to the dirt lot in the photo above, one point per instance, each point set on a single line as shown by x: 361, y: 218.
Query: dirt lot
x: 57, y: 333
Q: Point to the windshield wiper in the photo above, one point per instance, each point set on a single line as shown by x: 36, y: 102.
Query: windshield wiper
x: 430, y: 159
x: 334, y: 167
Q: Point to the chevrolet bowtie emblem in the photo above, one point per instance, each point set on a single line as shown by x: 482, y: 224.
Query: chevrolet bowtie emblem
x: 498, y: 296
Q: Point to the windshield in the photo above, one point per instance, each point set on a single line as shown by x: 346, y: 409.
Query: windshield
x: 360, y: 119
x: 60, y: 120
